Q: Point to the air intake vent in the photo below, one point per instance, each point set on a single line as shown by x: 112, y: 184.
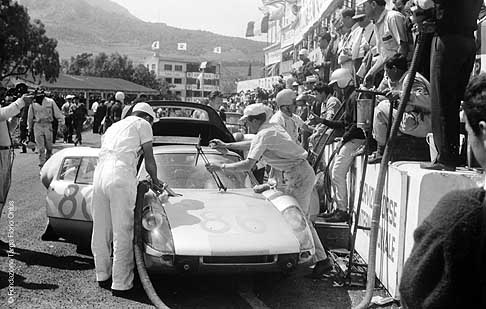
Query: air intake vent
x: 251, y: 259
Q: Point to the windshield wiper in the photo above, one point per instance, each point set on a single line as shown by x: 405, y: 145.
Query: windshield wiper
x: 216, y: 178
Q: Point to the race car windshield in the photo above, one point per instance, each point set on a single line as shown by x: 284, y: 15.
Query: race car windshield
x: 178, y: 170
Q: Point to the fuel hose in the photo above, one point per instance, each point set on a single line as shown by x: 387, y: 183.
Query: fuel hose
x: 375, y: 217
x: 143, y: 188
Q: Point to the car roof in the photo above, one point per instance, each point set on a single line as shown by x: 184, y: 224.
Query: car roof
x: 209, y: 129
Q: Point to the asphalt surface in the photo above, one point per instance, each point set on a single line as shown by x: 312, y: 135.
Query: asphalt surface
x: 53, y: 275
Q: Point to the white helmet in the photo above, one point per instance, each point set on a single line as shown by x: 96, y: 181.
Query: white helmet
x: 285, y: 97
x: 120, y: 96
x: 343, y: 78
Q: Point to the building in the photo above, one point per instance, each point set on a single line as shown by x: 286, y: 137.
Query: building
x: 185, y: 76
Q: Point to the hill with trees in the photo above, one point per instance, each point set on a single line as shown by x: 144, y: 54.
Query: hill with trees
x: 102, y: 26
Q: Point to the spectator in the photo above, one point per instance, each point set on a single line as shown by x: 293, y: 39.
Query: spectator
x: 391, y: 37
x: 67, y: 111
x: 307, y: 67
x: 351, y: 34
x: 365, y: 40
x: 416, y: 119
x: 79, y: 116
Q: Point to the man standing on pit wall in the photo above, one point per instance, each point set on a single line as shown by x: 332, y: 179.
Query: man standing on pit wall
x: 276, y: 147
x: 39, y: 120
x: 114, y: 194
x: 452, y: 60
x: 6, y: 152
x: 446, y: 268
x: 391, y: 37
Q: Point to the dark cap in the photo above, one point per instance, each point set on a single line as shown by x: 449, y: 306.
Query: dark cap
x: 347, y: 12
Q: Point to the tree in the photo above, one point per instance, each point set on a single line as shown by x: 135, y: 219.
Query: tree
x: 143, y: 76
x: 81, y: 64
x: 24, y: 46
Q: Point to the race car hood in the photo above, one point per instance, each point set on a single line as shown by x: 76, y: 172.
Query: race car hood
x: 240, y: 222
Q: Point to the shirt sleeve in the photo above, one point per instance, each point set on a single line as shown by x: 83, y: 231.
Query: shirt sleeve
x: 145, y: 131
x: 12, y: 109
x: 396, y: 24
x: 300, y: 123
x: 257, y: 147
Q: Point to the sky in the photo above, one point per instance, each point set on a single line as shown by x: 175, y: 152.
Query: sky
x: 227, y: 17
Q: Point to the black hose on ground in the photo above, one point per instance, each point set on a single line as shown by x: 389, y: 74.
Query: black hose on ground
x: 375, y: 217
x: 143, y: 188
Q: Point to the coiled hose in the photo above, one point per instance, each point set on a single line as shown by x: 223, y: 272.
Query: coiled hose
x: 143, y: 188
x: 375, y: 217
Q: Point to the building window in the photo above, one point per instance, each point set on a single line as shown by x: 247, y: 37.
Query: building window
x: 178, y: 93
x: 188, y: 93
x: 178, y: 68
x: 206, y: 93
x: 196, y: 93
x: 177, y: 81
x: 153, y: 66
x: 191, y: 81
x: 167, y: 67
x: 169, y: 80
x: 193, y: 67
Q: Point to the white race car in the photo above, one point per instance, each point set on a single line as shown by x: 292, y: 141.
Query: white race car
x: 207, y: 228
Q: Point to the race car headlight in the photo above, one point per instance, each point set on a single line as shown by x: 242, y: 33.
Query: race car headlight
x: 156, y: 233
x: 294, y: 217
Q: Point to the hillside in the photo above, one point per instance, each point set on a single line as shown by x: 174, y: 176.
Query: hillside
x: 103, y: 26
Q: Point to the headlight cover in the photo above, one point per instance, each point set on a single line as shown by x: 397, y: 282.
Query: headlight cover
x: 156, y: 233
x: 294, y: 217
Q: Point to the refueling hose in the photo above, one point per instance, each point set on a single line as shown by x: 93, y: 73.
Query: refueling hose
x: 143, y: 188
x: 375, y: 217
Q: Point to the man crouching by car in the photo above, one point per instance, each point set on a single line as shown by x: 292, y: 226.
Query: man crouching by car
x: 276, y: 147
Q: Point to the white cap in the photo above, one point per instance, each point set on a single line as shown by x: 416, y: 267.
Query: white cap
x: 120, y: 96
x: 69, y: 96
x: 255, y: 109
x: 303, y: 51
x: 144, y: 107
x: 285, y: 97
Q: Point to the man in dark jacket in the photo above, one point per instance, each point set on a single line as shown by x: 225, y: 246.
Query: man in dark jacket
x: 353, y: 139
x: 452, y: 59
x: 446, y: 268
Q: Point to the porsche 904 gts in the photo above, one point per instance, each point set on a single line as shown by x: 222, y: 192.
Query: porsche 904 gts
x: 205, y: 229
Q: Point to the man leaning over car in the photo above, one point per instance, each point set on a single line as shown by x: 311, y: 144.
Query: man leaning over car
x: 114, y: 194
x: 276, y: 147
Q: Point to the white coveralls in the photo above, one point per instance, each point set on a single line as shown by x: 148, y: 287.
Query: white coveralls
x: 40, y: 119
x: 114, y: 194
x: 276, y: 147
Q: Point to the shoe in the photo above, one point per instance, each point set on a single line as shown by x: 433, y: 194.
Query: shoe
x: 4, y: 245
x: 375, y: 158
x: 338, y: 216
x: 130, y: 293
x: 105, y: 284
x: 49, y: 234
x: 326, y: 215
x: 436, y: 166
x: 322, y: 268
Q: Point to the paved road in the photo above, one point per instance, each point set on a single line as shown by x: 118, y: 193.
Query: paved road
x: 53, y: 275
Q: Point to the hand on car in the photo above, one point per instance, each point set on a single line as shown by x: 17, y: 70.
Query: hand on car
x: 217, y: 143
x: 213, y: 167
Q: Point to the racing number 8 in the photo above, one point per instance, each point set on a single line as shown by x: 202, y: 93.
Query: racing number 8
x: 73, y: 189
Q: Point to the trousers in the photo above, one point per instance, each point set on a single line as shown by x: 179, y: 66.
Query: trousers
x: 452, y: 60
x: 300, y: 182
x: 43, y: 140
x: 339, y: 171
x: 114, y: 194
x: 5, y: 175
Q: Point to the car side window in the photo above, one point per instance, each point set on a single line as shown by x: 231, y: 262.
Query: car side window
x: 69, y: 168
x: 86, y: 170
